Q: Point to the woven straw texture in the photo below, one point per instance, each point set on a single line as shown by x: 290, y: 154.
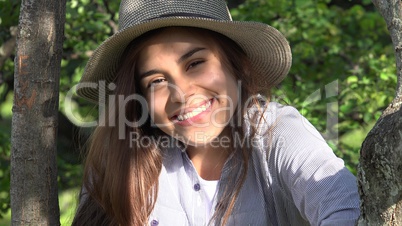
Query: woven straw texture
x: 266, y: 47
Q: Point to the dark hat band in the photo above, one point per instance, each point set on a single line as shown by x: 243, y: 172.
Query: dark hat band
x: 183, y: 15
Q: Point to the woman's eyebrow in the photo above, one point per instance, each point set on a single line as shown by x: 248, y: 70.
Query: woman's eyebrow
x: 148, y: 73
x: 189, y: 54
x: 181, y: 59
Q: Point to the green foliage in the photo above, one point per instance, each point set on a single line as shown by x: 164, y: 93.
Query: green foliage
x: 4, y: 171
x: 9, y: 11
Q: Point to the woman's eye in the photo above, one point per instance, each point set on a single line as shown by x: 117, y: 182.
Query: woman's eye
x: 194, y: 64
x: 156, y: 82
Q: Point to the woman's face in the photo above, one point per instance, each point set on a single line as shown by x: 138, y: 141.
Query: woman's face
x: 191, y: 95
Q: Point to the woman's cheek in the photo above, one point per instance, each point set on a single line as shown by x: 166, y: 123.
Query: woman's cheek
x: 214, y: 81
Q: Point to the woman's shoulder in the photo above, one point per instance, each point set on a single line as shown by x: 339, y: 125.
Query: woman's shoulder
x: 270, y: 111
x: 278, y: 117
x: 302, y: 170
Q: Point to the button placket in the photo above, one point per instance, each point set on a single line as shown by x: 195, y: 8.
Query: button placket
x: 195, y: 202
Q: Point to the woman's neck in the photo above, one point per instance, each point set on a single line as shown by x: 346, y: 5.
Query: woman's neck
x: 208, y: 160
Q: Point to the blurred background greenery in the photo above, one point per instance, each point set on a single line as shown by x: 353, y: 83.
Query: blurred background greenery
x: 343, y: 64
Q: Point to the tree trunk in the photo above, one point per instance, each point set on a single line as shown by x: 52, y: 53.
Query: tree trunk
x: 380, y: 169
x: 34, y: 199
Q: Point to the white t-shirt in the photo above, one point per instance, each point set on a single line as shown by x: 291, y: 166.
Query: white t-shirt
x: 210, y: 188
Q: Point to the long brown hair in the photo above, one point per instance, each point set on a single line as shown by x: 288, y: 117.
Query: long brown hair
x: 120, y: 183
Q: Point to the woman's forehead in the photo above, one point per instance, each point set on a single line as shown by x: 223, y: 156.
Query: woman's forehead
x: 175, y: 41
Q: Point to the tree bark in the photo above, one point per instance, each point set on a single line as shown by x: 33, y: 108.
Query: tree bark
x: 380, y: 169
x: 34, y: 199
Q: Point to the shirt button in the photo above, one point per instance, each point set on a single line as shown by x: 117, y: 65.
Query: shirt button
x: 197, y: 187
x: 154, y: 222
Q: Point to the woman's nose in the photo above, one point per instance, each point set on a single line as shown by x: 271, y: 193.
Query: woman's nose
x: 180, y: 90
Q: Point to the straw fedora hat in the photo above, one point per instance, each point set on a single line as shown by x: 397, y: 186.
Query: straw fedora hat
x: 267, y: 49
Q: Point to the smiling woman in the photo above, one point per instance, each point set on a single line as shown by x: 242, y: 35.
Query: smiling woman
x: 213, y: 150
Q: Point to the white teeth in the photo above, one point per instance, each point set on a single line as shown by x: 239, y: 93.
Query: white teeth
x: 194, y: 112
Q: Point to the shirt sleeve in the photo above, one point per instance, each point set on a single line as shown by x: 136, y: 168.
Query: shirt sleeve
x: 309, y: 173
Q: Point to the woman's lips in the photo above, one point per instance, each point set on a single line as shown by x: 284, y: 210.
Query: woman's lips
x: 191, y: 115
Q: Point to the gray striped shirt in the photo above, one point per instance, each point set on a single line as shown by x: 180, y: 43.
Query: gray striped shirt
x: 293, y: 178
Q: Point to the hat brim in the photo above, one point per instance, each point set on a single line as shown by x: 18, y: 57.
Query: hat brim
x: 268, y: 50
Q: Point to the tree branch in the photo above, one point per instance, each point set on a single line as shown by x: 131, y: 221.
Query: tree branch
x: 391, y: 11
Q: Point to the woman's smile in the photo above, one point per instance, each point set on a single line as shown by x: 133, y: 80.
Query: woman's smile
x: 189, y: 115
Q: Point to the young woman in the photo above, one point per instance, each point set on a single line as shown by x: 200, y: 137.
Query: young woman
x: 189, y: 136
